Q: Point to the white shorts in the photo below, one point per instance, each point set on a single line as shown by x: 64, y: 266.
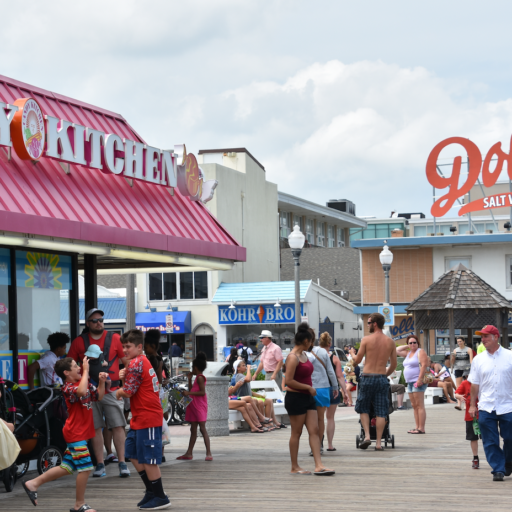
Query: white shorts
x: 176, y: 362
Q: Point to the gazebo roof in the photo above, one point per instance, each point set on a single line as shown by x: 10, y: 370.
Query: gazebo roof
x: 459, y: 288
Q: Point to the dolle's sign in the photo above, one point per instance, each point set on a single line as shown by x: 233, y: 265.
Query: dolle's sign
x: 33, y: 135
x: 477, y: 166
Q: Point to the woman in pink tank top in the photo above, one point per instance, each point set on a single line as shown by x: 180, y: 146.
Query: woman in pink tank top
x: 300, y: 404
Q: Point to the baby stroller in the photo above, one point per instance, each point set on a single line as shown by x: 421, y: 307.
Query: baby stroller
x: 386, y: 435
x: 8, y: 475
x: 39, y: 418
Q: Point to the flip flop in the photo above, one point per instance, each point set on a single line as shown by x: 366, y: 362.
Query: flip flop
x: 184, y: 457
x: 325, y: 472
x: 304, y: 473
x: 458, y: 408
x: 412, y: 431
x: 364, y: 445
x: 282, y: 425
x: 31, y: 494
x: 379, y: 449
x: 83, y: 508
x: 258, y: 431
x: 208, y: 458
x: 331, y: 449
x: 266, y: 420
x: 417, y: 432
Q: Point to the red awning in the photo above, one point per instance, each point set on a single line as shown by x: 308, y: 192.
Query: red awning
x: 89, y: 205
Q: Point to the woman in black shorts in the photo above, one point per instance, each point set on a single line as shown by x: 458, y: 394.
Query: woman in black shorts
x: 300, y: 404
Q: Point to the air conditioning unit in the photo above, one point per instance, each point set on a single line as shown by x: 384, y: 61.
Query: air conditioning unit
x: 342, y: 205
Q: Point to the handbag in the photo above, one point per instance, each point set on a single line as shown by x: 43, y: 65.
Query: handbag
x: 9, y: 447
x: 428, y: 378
x: 327, y: 373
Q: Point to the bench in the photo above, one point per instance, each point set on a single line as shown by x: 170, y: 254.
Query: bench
x: 272, y: 391
x: 431, y: 393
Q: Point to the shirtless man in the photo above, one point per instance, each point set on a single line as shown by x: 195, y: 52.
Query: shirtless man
x: 374, y: 385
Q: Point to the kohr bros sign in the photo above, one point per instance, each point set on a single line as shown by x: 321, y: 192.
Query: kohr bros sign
x: 264, y: 314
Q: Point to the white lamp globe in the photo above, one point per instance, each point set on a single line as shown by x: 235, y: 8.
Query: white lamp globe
x: 296, y: 239
x: 386, y: 256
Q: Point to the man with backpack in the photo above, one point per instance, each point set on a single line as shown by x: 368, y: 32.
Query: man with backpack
x: 106, y: 359
x: 245, y: 353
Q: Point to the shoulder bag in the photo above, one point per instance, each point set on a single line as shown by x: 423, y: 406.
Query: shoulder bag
x: 327, y: 373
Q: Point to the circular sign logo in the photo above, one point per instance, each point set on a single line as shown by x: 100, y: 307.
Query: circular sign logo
x: 27, y: 129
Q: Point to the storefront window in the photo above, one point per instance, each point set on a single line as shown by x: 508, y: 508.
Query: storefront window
x: 320, y: 234
x: 341, y: 237
x: 43, y: 282
x: 297, y: 220
x: 310, y: 231
x: 284, y: 225
x: 5, y: 281
x: 178, y: 286
x: 330, y: 236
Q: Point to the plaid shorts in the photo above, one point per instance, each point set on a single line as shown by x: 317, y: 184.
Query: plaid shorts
x: 373, y: 392
x: 77, y: 458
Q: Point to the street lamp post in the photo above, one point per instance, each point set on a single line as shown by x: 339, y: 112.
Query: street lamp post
x: 296, y: 241
x: 386, y: 258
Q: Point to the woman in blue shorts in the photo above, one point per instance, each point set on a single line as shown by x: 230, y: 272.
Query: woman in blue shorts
x: 323, y: 376
x: 415, y: 366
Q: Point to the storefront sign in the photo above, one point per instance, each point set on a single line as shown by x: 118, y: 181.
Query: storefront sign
x: 264, y: 314
x: 25, y: 358
x: 43, y: 270
x: 478, y: 167
x: 34, y: 135
x: 181, y: 322
x: 389, y: 314
x: 403, y: 330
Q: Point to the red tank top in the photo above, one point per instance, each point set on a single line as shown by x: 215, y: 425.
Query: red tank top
x: 145, y: 403
x: 303, y: 374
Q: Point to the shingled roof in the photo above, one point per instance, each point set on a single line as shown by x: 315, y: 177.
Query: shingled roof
x: 459, y: 288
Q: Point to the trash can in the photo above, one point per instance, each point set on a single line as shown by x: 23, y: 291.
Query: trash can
x: 217, y: 423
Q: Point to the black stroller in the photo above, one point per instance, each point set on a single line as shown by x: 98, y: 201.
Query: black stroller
x: 8, y: 475
x: 386, y: 435
x: 39, y: 415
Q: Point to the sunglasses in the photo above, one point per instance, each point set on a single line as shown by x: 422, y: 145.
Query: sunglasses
x: 370, y: 323
x: 96, y: 320
x: 413, y: 343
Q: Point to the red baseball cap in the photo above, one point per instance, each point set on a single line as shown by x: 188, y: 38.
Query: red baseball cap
x: 488, y: 329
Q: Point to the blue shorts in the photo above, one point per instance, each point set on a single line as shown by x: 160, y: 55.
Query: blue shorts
x: 77, y: 458
x: 412, y: 389
x: 323, y: 397
x: 144, y: 445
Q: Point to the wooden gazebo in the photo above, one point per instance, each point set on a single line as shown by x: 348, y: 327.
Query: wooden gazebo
x: 459, y: 299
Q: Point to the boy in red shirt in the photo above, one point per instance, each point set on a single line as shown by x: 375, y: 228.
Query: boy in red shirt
x: 144, y: 441
x: 463, y: 393
x: 79, y: 428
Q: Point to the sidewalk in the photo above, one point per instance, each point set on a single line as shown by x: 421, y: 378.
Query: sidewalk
x: 251, y: 472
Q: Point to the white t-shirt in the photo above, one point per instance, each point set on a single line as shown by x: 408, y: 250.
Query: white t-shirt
x: 47, y: 369
x: 249, y: 351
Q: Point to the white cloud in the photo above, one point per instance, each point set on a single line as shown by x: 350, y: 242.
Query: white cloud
x: 361, y: 131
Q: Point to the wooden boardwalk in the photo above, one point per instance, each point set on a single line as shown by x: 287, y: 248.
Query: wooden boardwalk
x: 251, y: 473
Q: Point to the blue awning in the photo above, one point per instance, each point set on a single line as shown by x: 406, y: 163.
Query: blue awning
x: 182, y: 321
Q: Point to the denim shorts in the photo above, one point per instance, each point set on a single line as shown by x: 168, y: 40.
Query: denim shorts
x: 144, y: 445
x: 419, y: 389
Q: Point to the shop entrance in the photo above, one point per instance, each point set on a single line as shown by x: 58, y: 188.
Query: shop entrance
x: 205, y: 344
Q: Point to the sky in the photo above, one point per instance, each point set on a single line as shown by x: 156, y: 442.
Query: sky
x: 336, y: 99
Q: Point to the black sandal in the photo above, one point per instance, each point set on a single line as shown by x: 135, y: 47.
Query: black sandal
x: 31, y: 494
x: 83, y: 508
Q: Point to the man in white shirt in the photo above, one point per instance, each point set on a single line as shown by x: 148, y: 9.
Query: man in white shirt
x: 491, y: 383
x: 245, y: 350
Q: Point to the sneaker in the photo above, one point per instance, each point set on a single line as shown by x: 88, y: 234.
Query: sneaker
x: 476, y: 464
x: 156, y: 504
x: 99, y: 471
x: 111, y: 459
x: 124, y: 472
x: 498, y: 477
x: 401, y: 408
x: 147, y: 498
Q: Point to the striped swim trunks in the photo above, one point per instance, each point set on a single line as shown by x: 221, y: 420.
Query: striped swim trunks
x: 77, y: 458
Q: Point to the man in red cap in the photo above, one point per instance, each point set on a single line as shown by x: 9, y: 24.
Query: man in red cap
x: 491, y: 383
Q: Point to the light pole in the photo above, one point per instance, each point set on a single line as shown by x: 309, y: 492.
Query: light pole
x: 296, y: 241
x: 386, y: 258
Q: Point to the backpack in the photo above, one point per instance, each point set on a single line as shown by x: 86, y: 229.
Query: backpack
x: 245, y: 355
x: 96, y: 366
